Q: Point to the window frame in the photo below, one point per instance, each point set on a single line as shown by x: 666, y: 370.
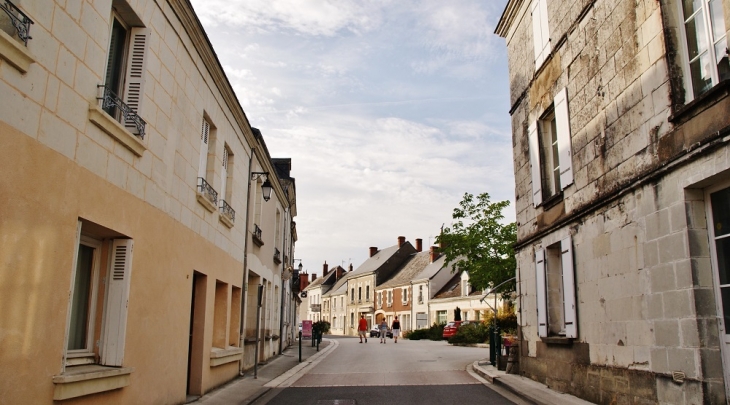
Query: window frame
x: 569, y: 327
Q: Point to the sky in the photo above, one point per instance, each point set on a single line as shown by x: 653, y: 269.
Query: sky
x: 390, y: 110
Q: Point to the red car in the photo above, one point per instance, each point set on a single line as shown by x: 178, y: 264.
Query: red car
x: 451, y: 328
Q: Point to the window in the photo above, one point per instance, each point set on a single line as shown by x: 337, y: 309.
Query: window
x: 380, y: 299
x: 540, y: 31
x: 420, y: 294
x: 88, y: 278
x: 405, y: 296
x: 555, y: 281
x: 705, y: 45
x: 352, y: 295
x: 464, y: 288
x: 441, y: 317
x: 205, y: 188
x: 390, y: 298
x: 367, y: 293
x: 359, y: 294
x: 550, y: 151
x: 352, y: 319
x: 124, y: 76
x: 226, y: 183
x: 220, y: 315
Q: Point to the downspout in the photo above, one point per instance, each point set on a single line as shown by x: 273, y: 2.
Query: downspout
x: 244, y: 284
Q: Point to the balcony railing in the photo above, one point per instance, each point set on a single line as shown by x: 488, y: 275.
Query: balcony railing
x: 277, y: 256
x: 257, y: 235
x: 227, y: 211
x: 110, y: 102
x: 20, y: 21
x: 207, y: 190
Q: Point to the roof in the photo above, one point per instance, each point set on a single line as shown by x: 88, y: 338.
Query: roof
x: 375, y: 261
x: 315, y: 283
x: 413, y: 266
x: 452, y: 289
x: 340, y: 286
x: 431, y: 269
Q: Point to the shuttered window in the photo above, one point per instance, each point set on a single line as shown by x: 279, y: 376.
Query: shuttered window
x: 540, y: 31
x: 555, y: 290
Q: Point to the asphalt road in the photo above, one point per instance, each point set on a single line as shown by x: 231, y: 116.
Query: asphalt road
x: 409, y: 372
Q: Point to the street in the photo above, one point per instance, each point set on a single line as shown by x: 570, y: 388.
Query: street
x: 407, y: 372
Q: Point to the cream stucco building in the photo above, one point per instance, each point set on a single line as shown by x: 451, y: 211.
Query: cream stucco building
x: 134, y: 228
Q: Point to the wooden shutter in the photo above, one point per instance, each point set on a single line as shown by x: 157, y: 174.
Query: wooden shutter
x: 534, y: 146
x: 117, y: 302
x: 204, y: 135
x: 224, y: 176
x: 562, y: 123
x: 134, y: 82
x: 566, y: 259
x: 541, y: 293
x: 540, y: 31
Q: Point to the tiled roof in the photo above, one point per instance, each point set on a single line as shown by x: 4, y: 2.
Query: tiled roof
x: 413, y: 266
x: 452, y: 289
x: 374, y: 262
x: 431, y: 269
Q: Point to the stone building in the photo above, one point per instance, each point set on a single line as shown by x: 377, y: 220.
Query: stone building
x: 135, y: 229
x: 620, y: 132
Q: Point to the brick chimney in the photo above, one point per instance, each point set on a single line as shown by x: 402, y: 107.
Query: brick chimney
x: 373, y: 251
x: 401, y: 240
x: 350, y: 267
x: 325, y: 269
x: 314, y: 277
x: 303, y: 281
x: 419, y: 245
x: 434, y: 253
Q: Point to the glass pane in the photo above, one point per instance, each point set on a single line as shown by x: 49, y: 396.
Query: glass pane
x: 80, y: 302
x: 721, y: 211
x: 690, y: 6
x: 726, y: 308
x: 723, y: 66
x: 696, y: 41
x: 700, y: 70
x: 716, y: 19
x: 723, y: 260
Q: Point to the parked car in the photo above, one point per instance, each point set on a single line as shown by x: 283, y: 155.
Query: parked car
x: 375, y: 332
x: 453, y: 326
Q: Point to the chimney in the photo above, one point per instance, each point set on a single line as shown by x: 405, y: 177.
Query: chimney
x: 350, y: 267
x: 434, y: 253
x: 401, y: 240
x: 314, y: 277
x: 373, y: 251
x: 419, y: 245
x: 303, y: 281
x: 325, y: 269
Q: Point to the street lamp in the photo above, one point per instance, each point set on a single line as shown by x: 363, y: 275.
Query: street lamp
x: 266, y: 188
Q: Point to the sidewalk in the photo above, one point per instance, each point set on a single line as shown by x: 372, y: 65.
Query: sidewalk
x: 245, y: 390
x: 523, y: 387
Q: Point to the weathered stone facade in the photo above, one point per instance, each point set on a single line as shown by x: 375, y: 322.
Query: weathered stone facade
x: 635, y: 215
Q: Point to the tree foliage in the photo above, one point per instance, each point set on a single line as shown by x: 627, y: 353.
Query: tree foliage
x: 479, y: 243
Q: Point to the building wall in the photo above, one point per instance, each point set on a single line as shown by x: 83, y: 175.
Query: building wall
x: 635, y: 212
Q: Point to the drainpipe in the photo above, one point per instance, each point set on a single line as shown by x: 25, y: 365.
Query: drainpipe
x: 244, y: 284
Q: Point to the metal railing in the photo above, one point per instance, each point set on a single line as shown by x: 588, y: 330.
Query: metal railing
x: 257, y: 232
x: 227, y: 211
x: 110, y: 101
x: 207, y: 190
x: 20, y: 21
x: 277, y: 255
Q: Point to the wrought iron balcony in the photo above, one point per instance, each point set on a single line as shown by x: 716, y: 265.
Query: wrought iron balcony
x: 207, y: 190
x: 277, y: 256
x: 227, y: 211
x: 257, y: 235
x: 114, y: 106
x: 20, y: 21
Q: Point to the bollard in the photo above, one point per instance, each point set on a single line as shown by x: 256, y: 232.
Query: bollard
x: 319, y: 340
x: 300, y: 346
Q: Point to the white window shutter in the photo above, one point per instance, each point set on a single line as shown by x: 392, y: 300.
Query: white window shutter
x: 134, y: 82
x: 204, y: 135
x: 566, y: 259
x: 545, y: 31
x: 534, y: 144
x: 537, y: 33
x: 541, y: 293
x: 117, y: 302
x: 224, y: 175
x: 562, y: 123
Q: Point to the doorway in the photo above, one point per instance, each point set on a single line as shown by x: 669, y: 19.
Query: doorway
x: 196, y: 335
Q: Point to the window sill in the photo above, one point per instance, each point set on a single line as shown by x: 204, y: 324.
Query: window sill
x: 205, y: 201
x: 114, y: 129
x: 91, y: 379
x: 222, y: 356
x: 557, y: 340
x: 14, y: 53
x: 226, y: 221
x: 551, y: 201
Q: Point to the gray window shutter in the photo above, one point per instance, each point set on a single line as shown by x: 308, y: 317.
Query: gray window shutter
x: 117, y: 303
x: 541, y: 293
x: 562, y: 122
x: 566, y: 259
x: 204, y: 134
x: 134, y: 82
x: 534, y: 146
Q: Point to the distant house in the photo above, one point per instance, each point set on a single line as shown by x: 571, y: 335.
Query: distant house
x: 394, y: 297
x: 458, y: 293
x: 425, y: 285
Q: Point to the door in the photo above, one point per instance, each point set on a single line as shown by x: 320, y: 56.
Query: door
x: 718, y: 218
x: 196, y: 334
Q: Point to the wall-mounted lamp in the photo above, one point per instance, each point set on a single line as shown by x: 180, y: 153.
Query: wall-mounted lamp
x: 266, y: 187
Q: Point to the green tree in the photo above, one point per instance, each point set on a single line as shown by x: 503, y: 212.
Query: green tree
x: 479, y: 243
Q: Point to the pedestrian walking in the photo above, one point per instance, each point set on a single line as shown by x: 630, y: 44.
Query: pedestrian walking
x: 362, y: 328
x: 396, y: 329
x: 383, y: 331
